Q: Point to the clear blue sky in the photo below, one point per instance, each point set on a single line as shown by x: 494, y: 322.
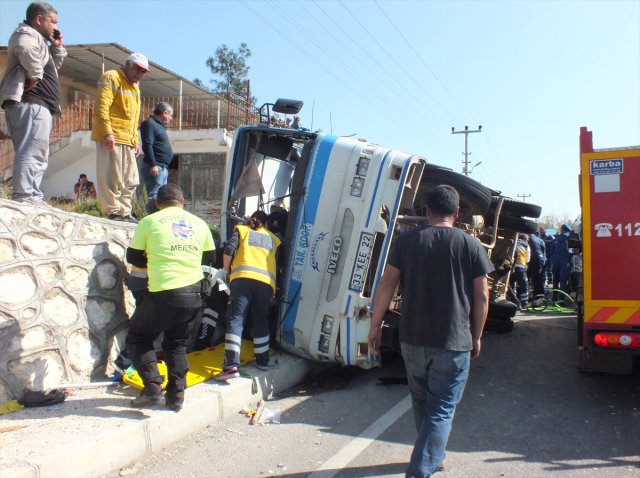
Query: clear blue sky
x: 402, y: 73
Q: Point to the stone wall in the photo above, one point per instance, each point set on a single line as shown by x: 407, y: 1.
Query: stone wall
x: 63, y: 306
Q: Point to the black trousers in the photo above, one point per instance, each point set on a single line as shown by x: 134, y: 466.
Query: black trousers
x: 174, y: 313
x: 536, y: 273
x: 249, y: 297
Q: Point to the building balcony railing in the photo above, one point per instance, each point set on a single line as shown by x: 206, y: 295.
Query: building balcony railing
x: 190, y: 112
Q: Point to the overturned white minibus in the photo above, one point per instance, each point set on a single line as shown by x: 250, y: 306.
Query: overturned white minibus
x: 343, y: 200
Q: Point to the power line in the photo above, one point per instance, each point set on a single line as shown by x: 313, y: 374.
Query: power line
x: 393, y: 84
x: 494, y: 172
x: 393, y: 58
x: 328, y: 70
x: 424, y: 63
x: 346, y: 67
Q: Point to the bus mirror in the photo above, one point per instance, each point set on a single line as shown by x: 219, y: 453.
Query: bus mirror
x: 287, y: 107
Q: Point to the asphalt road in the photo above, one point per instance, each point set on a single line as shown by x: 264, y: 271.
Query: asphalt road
x: 526, y: 412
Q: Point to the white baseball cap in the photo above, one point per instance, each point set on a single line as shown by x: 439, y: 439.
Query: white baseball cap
x: 140, y: 60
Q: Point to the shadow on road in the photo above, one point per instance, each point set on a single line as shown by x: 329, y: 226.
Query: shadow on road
x: 525, y: 401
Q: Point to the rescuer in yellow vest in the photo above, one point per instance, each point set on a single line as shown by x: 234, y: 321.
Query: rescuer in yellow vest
x: 249, y: 261
x: 519, y: 274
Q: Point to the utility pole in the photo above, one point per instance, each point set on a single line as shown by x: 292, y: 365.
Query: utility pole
x: 523, y: 196
x: 466, y: 132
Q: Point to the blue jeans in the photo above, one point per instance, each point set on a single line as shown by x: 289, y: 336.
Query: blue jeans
x: 437, y: 379
x: 153, y: 183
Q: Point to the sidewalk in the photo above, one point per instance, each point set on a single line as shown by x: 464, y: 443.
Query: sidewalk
x: 95, y: 431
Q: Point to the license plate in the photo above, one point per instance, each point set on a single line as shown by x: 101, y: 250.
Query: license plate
x: 361, y: 262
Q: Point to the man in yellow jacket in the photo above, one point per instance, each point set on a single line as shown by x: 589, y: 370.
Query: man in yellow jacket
x: 115, y: 131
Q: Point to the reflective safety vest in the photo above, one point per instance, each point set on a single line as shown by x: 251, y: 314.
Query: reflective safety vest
x: 522, y: 251
x: 255, y: 257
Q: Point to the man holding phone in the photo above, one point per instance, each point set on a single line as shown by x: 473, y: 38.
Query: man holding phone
x: 30, y: 96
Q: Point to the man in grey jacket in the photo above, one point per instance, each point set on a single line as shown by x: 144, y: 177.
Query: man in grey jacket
x: 30, y: 96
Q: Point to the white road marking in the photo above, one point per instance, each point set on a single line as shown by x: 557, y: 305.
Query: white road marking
x: 333, y: 465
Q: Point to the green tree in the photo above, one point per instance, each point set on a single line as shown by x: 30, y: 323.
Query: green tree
x: 199, y: 82
x: 232, y: 69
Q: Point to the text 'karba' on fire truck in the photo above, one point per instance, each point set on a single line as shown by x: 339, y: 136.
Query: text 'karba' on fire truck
x: 609, y: 316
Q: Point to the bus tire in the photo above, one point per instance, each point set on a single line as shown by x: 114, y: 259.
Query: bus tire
x: 511, y: 207
x: 499, y: 326
x: 511, y: 223
x: 473, y: 195
x: 502, y: 309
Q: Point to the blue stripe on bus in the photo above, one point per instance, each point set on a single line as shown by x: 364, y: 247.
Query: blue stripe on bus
x: 346, y: 314
x: 387, y: 239
x: 375, y: 189
x: 306, y: 214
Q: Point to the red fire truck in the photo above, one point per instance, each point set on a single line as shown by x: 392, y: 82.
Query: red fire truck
x: 609, y: 316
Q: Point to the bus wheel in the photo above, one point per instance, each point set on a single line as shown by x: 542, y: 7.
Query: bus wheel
x: 473, y: 195
x: 499, y: 326
x: 502, y: 309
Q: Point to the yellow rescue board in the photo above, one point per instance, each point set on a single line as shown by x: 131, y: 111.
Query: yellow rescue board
x: 203, y: 365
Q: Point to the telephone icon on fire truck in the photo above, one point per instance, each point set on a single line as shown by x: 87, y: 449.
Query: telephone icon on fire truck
x: 603, y: 229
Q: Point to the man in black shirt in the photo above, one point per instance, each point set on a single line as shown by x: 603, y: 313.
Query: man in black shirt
x: 30, y: 96
x: 157, y: 150
x: 445, y: 303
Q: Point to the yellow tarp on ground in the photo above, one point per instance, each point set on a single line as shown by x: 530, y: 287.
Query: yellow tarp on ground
x: 10, y: 407
x: 203, y: 365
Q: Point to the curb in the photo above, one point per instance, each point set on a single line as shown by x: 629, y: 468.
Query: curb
x: 95, y: 433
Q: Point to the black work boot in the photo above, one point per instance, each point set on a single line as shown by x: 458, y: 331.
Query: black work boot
x: 174, y: 399
x: 149, y: 397
x: 175, y: 405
